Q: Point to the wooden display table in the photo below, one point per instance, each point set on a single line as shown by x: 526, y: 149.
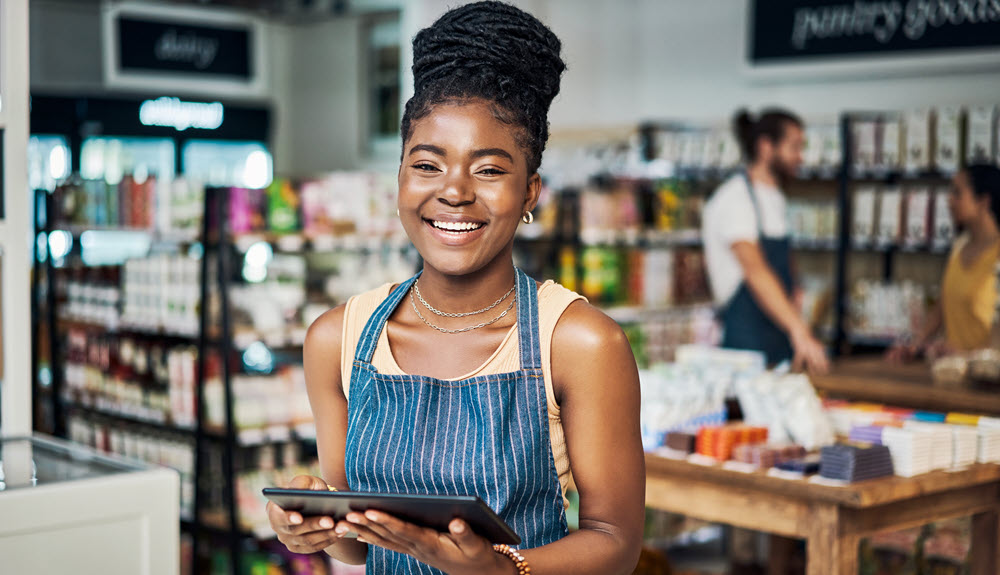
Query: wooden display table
x: 832, y: 519
x: 872, y: 379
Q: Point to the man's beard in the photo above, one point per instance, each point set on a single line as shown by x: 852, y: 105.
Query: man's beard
x: 781, y: 172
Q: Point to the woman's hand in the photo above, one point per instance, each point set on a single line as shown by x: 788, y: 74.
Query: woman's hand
x: 458, y: 552
x: 303, y: 534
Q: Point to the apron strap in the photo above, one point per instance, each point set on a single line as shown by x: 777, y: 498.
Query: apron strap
x: 527, y: 321
x: 376, y: 323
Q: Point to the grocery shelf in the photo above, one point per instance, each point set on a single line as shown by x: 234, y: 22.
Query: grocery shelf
x: 300, y: 243
x: 631, y: 314
x: 244, y: 438
x: 126, y: 329
x: 157, y: 425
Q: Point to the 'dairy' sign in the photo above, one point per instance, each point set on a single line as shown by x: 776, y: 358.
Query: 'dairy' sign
x: 176, y: 48
x: 795, y: 30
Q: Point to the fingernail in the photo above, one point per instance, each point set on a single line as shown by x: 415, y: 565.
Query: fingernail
x: 326, y: 523
x: 354, y: 518
x: 362, y: 540
x: 458, y: 527
x: 295, y: 519
x: 341, y: 530
x: 371, y: 515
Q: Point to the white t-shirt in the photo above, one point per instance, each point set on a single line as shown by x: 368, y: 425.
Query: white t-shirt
x: 729, y: 217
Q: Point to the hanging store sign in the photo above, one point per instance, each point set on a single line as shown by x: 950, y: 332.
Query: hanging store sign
x: 174, y: 113
x: 783, y: 31
x: 177, y: 49
x: 146, y: 45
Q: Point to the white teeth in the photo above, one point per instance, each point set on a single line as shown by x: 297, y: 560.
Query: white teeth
x: 456, y: 226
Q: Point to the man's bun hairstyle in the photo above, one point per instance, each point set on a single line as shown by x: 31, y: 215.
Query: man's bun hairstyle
x: 494, y: 52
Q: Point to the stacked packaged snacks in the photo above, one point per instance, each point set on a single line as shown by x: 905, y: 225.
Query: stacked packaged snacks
x: 267, y: 408
x: 162, y: 292
x: 764, y: 456
x: 134, y: 377
x: 886, y: 311
x: 166, y: 207
x: 719, y: 441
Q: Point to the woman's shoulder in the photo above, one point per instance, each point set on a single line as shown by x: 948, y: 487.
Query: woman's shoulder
x: 581, y: 325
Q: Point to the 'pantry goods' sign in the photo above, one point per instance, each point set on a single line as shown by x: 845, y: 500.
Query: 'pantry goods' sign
x: 793, y: 30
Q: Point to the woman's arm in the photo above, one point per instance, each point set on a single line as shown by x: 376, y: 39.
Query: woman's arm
x: 597, y: 386
x: 321, y: 359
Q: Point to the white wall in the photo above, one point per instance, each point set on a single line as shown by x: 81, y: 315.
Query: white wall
x: 321, y: 92
x: 635, y: 60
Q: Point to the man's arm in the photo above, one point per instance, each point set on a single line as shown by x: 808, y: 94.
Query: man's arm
x: 769, y: 294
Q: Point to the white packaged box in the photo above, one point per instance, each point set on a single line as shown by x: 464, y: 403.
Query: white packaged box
x: 944, y: 228
x: 865, y: 146
x: 889, y: 145
x: 889, y: 212
x: 979, y: 135
x: 918, y: 141
x: 948, y: 139
x: 917, y: 228
x: 863, y: 226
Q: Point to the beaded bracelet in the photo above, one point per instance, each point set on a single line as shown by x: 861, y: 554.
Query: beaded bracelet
x: 519, y: 561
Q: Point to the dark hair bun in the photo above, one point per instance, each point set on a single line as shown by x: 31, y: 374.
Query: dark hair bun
x: 495, y: 52
x: 492, y: 44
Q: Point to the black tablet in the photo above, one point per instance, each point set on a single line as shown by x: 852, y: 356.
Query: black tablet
x: 434, y: 511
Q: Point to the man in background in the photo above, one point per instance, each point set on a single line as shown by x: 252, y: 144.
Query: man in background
x: 745, y: 233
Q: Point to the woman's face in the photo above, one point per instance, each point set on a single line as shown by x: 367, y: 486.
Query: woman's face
x: 463, y: 187
x: 962, y: 201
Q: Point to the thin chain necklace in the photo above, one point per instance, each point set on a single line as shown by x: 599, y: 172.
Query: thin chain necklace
x: 503, y: 314
x: 462, y: 314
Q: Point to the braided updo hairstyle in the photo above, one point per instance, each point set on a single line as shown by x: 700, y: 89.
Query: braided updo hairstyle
x: 494, y: 52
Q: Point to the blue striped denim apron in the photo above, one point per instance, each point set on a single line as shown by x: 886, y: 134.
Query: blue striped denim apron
x: 486, y: 435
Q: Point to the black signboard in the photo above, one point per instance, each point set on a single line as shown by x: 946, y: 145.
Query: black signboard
x: 797, y: 30
x: 160, y: 46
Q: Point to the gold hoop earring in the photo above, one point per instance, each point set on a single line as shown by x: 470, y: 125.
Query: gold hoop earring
x: 528, y: 217
x: 397, y: 212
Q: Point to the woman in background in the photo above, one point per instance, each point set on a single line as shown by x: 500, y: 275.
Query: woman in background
x: 964, y: 311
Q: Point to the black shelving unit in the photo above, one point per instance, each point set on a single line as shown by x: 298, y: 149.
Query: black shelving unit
x: 844, y: 341
x: 218, y: 252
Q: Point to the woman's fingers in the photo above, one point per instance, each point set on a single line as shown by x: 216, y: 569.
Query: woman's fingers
x: 470, y: 544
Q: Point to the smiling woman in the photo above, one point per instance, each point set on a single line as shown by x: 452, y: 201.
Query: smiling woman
x: 487, y: 383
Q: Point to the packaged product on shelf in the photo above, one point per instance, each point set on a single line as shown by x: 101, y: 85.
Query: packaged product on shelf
x: 890, y: 211
x: 690, y: 277
x: 863, y: 226
x: 865, y: 146
x: 832, y: 149
x: 890, y: 144
x: 730, y: 154
x: 979, y: 135
x: 282, y: 207
x: 812, y: 155
x: 944, y: 228
x: 918, y: 216
x: 918, y: 141
x: 886, y: 310
x: 657, y: 286
x: 711, y: 150
x: 948, y: 139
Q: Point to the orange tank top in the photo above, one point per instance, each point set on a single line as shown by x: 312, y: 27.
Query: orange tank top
x: 553, y: 299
